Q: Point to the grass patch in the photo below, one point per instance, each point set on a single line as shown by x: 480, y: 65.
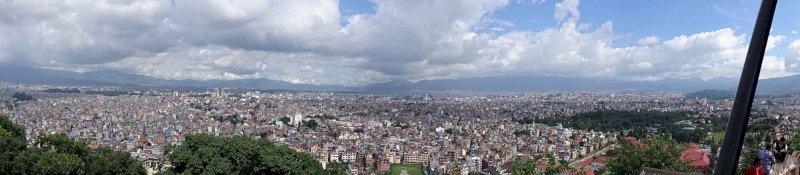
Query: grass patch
x: 717, y: 136
x: 411, y: 169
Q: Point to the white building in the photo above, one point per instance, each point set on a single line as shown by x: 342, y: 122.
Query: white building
x: 296, y: 119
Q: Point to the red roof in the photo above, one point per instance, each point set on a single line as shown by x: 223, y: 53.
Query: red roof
x: 602, y: 159
x: 541, y: 166
x: 587, y: 162
x: 575, y: 172
x: 634, y: 141
x: 699, y: 159
x: 693, y: 145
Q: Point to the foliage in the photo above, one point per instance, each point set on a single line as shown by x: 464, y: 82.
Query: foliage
x: 113, y: 162
x: 656, y: 153
x: 714, y: 94
x: 21, y: 96
x: 336, y: 168
x: 67, y: 91
x: 527, y: 166
x: 359, y: 130
x: 311, y: 124
x: 553, y: 167
x: 58, y: 154
x: 452, y: 131
x: 205, y: 154
x: 523, y: 120
x: 323, y: 116
x: 521, y: 132
x: 285, y: 120
x: 111, y: 93
x: 619, y: 120
x: 793, y: 142
x: 233, y: 119
x: 42, y: 161
x: 747, y: 158
x: 13, y: 143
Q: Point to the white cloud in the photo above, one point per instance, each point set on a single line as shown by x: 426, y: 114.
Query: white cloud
x: 649, y: 40
x: 304, y: 41
x: 793, y: 56
x: 774, y: 40
x: 772, y: 67
x: 567, y: 8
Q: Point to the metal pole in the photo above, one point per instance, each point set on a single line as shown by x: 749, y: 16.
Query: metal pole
x: 734, y: 134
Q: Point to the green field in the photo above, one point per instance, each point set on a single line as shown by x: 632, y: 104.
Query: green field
x: 411, y: 169
x: 717, y: 136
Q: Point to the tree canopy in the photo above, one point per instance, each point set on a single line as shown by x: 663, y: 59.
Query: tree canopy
x: 714, y: 94
x: 657, y: 153
x: 204, y: 154
x: 21, y: 96
x: 311, y: 124
x: 527, y: 166
x: 58, y: 154
x: 639, y: 121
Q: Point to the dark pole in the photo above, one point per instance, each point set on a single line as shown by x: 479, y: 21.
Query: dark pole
x: 734, y: 134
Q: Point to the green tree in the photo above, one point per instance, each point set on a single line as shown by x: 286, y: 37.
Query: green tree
x: 655, y: 153
x: 336, y: 168
x: 13, y: 143
x: 22, y: 97
x: 107, y: 161
x: 528, y: 167
x: 42, y: 161
x: 525, y: 166
x: 285, y: 120
x: 312, y: 124
x: 58, y: 154
x: 793, y: 142
x: 747, y: 158
x: 60, y: 143
x: 205, y: 154
x: 555, y: 168
x: 359, y: 130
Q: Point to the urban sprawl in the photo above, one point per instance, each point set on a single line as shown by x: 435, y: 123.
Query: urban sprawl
x: 442, y: 132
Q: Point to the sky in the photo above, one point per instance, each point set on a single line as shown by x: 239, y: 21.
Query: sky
x: 358, y: 42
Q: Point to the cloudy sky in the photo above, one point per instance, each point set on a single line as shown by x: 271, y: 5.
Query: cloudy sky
x: 357, y: 42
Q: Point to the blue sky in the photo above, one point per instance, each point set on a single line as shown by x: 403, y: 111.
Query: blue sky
x: 640, y: 18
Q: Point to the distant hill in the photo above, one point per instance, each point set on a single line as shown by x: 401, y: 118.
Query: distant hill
x: 544, y: 83
x: 781, y: 85
x: 114, y: 78
x: 31, y: 75
x: 715, y: 94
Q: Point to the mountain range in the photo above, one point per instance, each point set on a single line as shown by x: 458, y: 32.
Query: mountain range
x: 30, y: 75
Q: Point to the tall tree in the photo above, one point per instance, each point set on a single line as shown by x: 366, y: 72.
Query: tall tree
x: 58, y: 154
x: 655, y: 153
x: 203, y: 154
x: 312, y: 124
x: 107, y: 161
x: 13, y: 143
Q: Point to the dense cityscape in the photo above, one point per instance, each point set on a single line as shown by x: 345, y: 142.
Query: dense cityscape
x: 399, y: 87
x: 442, y: 133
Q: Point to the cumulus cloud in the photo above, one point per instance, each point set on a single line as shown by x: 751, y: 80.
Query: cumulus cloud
x: 793, y: 56
x: 649, y: 40
x: 774, y: 40
x: 306, y: 41
x: 567, y: 8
